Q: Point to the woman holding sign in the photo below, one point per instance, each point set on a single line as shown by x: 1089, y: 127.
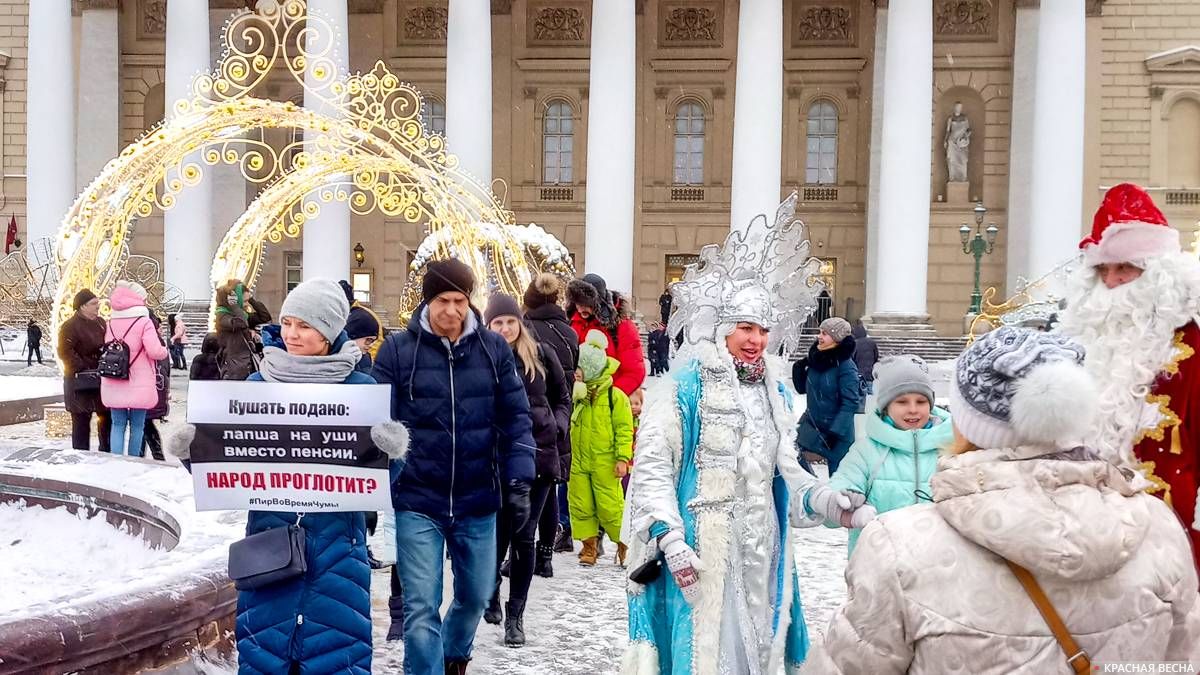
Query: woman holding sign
x: 320, y: 620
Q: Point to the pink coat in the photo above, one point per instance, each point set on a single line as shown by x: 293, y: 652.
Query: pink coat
x: 139, y: 391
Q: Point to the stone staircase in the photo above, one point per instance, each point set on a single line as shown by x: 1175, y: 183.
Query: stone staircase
x: 195, y: 315
x: 901, y: 338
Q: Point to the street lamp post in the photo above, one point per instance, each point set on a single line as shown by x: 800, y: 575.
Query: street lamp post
x: 979, y: 245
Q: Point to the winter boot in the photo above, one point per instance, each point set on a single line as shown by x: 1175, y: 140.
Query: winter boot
x: 493, y: 614
x: 588, y: 555
x: 505, y: 567
x: 622, y: 550
x: 514, y: 624
x: 543, y: 565
x: 563, y: 543
x: 456, y: 667
x: 372, y: 561
x: 396, y: 612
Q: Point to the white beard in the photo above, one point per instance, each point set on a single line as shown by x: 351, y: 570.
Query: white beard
x: 1129, y: 335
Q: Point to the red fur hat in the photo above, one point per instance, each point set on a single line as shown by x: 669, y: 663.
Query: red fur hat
x: 1128, y: 227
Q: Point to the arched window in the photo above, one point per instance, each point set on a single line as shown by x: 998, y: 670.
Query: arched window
x: 433, y: 116
x: 558, y: 144
x: 822, y: 144
x: 689, y: 144
x: 1183, y: 150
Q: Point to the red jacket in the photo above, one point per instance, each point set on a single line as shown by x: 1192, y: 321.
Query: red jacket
x: 1170, y: 453
x: 625, y: 346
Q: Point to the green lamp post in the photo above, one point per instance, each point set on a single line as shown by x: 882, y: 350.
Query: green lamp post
x: 978, y: 246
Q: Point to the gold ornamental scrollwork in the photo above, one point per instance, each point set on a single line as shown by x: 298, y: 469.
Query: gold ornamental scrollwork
x: 364, y: 145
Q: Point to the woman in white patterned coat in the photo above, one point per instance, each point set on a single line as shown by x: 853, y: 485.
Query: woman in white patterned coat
x: 929, y: 587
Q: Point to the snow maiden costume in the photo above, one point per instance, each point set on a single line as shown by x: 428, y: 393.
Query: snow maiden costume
x: 717, y: 469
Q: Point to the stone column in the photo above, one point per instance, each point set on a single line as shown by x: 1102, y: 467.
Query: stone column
x: 469, y: 86
x: 1020, y: 153
x: 1056, y: 176
x: 50, y: 155
x: 877, y: 103
x: 612, y: 120
x: 327, y: 237
x: 99, y: 89
x: 903, y: 211
x: 757, y: 112
x: 188, y: 245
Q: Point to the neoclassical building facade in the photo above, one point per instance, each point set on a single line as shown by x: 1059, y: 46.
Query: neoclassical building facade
x: 848, y: 102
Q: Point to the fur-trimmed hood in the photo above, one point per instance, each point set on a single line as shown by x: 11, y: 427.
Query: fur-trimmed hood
x: 610, y: 308
x: 821, y: 360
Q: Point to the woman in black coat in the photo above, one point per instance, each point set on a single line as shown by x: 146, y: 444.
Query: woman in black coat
x: 79, y: 341
x: 550, y: 407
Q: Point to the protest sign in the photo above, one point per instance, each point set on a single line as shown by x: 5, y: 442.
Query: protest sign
x: 288, y: 447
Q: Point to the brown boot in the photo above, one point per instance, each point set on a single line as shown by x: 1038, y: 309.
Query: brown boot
x: 588, y: 555
x: 622, y: 551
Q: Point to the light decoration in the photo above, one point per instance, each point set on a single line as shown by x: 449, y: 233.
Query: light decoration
x: 370, y: 150
x: 29, y: 281
x: 542, y: 253
x: 1033, y: 301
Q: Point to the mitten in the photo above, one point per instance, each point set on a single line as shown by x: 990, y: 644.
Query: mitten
x: 684, y: 564
x: 177, y: 440
x: 392, y: 438
x: 863, y: 515
x: 836, y: 506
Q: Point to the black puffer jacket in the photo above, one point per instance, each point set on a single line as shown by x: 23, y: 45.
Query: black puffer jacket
x: 79, y: 343
x: 552, y: 329
x: 550, y: 406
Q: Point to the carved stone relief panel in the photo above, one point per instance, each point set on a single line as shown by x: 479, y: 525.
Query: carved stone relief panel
x: 833, y: 23
x: 562, y: 23
x: 964, y: 20
x: 422, y: 23
x: 692, y: 23
x: 152, y: 18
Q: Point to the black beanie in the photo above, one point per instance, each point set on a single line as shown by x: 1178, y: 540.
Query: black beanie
x: 501, y: 304
x: 361, y: 324
x: 82, y: 298
x: 349, y: 291
x: 448, y: 275
x: 543, y: 290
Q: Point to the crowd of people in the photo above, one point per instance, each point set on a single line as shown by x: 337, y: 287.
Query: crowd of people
x: 1044, y: 517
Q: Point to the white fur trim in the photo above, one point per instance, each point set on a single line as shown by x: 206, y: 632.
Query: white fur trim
x: 641, y: 658
x: 1196, y: 522
x: 1054, y: 404
x: 1127, y: 242
x: 712, y: 536
x: 135, y: 312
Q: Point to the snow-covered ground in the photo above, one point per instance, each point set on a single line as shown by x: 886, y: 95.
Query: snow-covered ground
x: 48, y: 554
x: 575, y: 622
x: 17, y: 387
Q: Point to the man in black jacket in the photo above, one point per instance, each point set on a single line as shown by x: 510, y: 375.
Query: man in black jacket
x: 455, y: 386
x: 33, y: 342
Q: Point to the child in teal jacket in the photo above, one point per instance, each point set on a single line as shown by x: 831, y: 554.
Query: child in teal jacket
x: 893, y: 464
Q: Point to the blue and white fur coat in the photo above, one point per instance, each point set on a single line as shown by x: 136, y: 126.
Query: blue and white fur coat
x: 685, y: 478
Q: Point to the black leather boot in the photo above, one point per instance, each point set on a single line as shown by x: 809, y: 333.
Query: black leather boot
x: 514, y: 624
x: 543, y: 565
x: 493, y: 614
x: 396, y: 614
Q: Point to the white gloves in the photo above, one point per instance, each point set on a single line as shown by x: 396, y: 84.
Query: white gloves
x: 392, y: 438
x: 846, y: 508
x: 684, y: 564
x: 177, y: 440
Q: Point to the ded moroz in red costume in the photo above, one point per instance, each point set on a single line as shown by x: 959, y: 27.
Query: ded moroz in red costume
x: 1142, y: 340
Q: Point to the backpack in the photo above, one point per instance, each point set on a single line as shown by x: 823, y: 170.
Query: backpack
x: 114, y: 356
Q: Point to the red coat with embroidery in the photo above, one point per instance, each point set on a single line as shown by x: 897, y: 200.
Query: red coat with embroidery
x: 1169, y: 455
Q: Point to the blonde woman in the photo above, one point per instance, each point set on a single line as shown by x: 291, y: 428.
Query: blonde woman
x: 550, y: 406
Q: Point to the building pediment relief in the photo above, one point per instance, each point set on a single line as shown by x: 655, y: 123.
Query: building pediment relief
x: 1184, y: 59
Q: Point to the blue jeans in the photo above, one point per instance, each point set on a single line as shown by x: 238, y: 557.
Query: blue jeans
x: 136, y: 421
x: 421, y: 541
x: 564, y: 509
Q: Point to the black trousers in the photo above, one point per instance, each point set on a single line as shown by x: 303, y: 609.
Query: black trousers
x: 520, y: 564
x: 81, y: 430
x: 152, y: 440
x: 32, y: 349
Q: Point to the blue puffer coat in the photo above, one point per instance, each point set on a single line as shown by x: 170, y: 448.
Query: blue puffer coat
x: 829, y: 380
x: 322, y: 621
x: 467, y: 413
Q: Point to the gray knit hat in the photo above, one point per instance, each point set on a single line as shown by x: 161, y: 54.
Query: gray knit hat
x: 836, y: 327
x: 1015, y: 386
x: 896, y: 376
x: 499, y: 305
x: 320, y: 303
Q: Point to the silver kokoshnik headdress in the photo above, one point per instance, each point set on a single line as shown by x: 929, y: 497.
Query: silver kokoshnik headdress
x: 763, y: 274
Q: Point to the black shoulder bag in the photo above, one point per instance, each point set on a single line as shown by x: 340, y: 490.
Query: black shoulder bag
x: 268, y: 557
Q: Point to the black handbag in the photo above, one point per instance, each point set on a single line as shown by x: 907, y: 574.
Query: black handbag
x: 86, y: 380
x: 268, y: 557
x: 647, y: 572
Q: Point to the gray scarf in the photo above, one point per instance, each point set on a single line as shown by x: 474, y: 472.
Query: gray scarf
x: 279, y: 366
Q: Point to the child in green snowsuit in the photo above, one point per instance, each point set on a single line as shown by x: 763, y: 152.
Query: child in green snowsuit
x: 893, y: 464
x: 601, y: 448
